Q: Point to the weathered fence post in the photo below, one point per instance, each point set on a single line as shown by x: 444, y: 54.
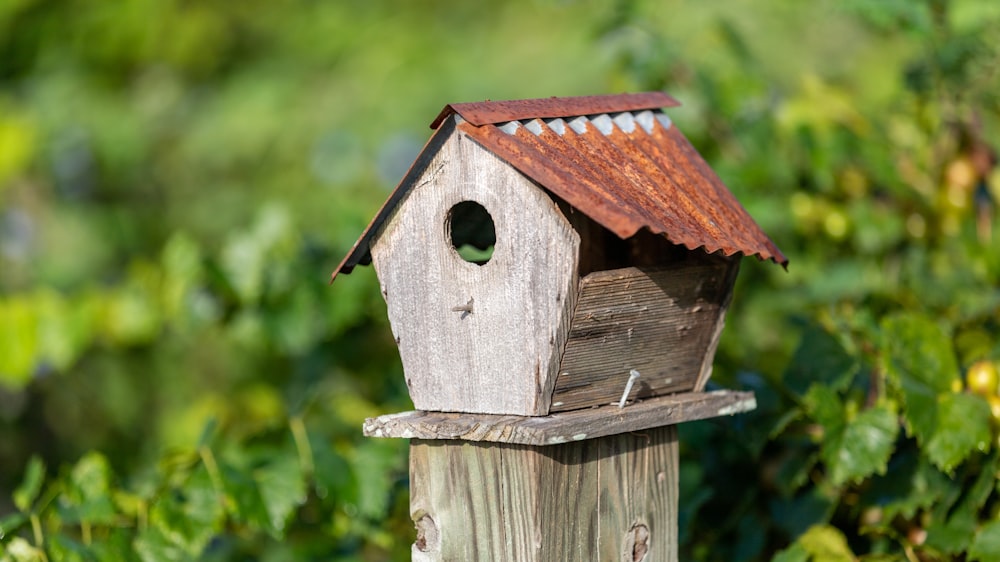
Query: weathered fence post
x: 557, y: 273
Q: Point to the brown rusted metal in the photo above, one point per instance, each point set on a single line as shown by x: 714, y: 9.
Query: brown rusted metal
x: 489, y: 112
x: 628, y: 181
x: 628, y: 172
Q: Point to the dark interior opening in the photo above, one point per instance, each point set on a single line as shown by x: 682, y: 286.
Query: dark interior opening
x: 472, y: 232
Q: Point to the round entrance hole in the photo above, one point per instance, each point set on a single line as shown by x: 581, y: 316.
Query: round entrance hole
x: 472, y: 232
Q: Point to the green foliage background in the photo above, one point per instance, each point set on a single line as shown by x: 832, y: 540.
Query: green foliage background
x: 178, y: 179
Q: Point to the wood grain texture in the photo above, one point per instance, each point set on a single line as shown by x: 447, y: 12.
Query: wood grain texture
x: 563, y: 427
x: 638, y: 483
x: 705, y: 372
x: 502, y: 358
x: 661, y: 322
x: 575, y: 501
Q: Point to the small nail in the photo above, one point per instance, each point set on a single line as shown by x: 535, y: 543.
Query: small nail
x: 632, y: 375
x: 465, y: 308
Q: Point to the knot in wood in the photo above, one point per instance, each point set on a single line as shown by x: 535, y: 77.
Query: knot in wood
x: 636, y: 543
x: 428, y: 537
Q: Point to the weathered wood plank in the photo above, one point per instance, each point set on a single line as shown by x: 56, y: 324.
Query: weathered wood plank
x: 659, y: 321
x: 575, y: 501
x: 563, y: 427
x: 637, y: 507
x: 705, y: 372
x: 502, y: 354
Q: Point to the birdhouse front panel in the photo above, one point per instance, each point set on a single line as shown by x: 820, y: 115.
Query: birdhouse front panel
x: 477, y: 332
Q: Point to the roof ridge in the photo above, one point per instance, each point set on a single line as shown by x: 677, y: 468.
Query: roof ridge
x: 488, y: 112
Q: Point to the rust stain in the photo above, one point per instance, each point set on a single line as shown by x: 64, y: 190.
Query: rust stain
x: 618, y: 159
x: 490, y: 112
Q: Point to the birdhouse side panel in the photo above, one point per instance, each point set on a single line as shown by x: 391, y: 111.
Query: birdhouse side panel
x: 477, y: 334
x: 661, y: 322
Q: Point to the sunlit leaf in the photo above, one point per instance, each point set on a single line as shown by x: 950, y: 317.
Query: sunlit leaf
x: 20, y: 550
x: 826, y: 544
x: 89, y: 499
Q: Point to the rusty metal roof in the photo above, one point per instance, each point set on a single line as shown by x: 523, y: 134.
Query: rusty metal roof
x: 489, y: 112
x: 618, y: 159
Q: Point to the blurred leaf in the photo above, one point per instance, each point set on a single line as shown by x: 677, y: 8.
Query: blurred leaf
x: 282, y: 489
x: 963, y: 427
x: 64, y: 548
x: 918, y: 358
x: 11, y: 523
x: 18, y: 341
x: 863, y: 447
x: 794, y: 553
x: 27, y: 492
x: 821, y: 360
x: 20, y: 550
x: 152, y: 545
x: 986, y: 544
x: 190, y: 515
x: 335, y: 480
x: 89, y: 497
x: 18, y: 140
x: 826, y: 544
x: 379, y: 461
x: 247, y: 498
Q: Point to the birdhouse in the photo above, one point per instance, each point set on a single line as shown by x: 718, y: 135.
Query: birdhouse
x: 557, y: 273
x: 540, y: 253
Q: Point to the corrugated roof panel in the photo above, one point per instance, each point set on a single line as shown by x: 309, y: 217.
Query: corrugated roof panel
x: 631, y: 180
x: 611, y: 157
x: 490, y: 112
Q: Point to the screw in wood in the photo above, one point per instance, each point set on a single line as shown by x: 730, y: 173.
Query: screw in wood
x: 632, y: 376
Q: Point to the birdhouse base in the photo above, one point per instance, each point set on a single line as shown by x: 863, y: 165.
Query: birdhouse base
x: 563, y: 427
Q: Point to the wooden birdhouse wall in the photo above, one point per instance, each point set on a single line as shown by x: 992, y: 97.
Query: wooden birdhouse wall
x: 474, y: 337
x: 643, y: 303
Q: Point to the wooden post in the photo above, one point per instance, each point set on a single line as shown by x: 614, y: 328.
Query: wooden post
x: 598, y: 484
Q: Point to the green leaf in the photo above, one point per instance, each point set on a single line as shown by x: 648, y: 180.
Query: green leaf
x: 986, y: 544
x: 911, y: 484
x: 63, y: 548
x: 189, y: 516
x: 918, y: 359
x: 794, y: 516
x: 826, y: 544
x: 18, y: 341
x: 27, y: 492
x: 819, y: 359
x: 954, y: 534
x: 89, y: 497
x: 334, y: 478
x: 377, y: 461
x: 826, y: 407
x: 246, y: 497
x: 11, y: 523
x: 794, y: 553
x: 963, y: 427
x: 282, y: 488
x: 863, y: 447
x: 152, y: 545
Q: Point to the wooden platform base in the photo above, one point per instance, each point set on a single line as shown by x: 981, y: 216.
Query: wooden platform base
x: 562, y: 427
